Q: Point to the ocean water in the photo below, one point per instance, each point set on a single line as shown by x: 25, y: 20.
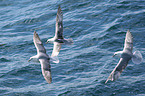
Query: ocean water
x: 98, y: 28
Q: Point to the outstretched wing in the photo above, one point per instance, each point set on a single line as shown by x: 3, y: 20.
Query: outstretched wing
x: 38, y: 44
x: 118, y: 69
x: 128, y: 41
x: 46, y: 69
x: 56, y: 49
x: 59, y: 24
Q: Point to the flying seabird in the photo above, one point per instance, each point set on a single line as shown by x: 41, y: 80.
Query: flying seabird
x: 42, y: 57
x: 58, y: 39
x: 125, y: 56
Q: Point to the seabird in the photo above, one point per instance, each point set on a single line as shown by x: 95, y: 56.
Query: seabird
x: 125, y: 56
x: 42, y: 57
x: 58, y: 39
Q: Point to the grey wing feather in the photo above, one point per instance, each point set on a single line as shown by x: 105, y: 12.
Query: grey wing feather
x: 128, y: 41
x: 118, y: 69
x: 46, y: 69
x: 59, y: 24
x: 56, y: 49
x: 121, y: 64
x: 38, y: 44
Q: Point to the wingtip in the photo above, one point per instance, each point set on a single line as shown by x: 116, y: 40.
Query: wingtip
x: 35, y: 32
x: 36, y: 38
x: 129, y: 33
x: 59, y: 7
x: 47, y: 76
x: 128, y: 30
x: 59, y: 16
x: 106, y: 81
x: 49, y: 82
x: 109, y: 78
x: 59, y: 11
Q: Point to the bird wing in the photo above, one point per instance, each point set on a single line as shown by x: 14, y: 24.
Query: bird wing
x: 128, y: 41
x: 38, y: 44
x: 56, y: 49
x: 59, y: 24
x: 118, y: 69
x: 46, y: 69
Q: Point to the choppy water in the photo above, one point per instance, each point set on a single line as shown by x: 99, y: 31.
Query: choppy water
x: 98, y: 28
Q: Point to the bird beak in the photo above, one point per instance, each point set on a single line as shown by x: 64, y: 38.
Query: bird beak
x: 29, y: 60
x: 114, y: 55
x: 47, y: 42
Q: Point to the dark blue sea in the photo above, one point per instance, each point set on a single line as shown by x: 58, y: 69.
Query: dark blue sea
x: 98, y: 29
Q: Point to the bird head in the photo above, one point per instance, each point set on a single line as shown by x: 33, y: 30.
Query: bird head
x: 47, y: 41
x: 50, y: 40
x: 118, y: 54
x: 30, y: 59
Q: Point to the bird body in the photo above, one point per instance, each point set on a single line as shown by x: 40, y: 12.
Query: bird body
x: 58, y: 39
x: 125, y: 56
x: 42, y: 57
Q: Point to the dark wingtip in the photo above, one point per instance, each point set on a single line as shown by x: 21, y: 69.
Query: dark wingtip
x: 106, y: 81
x: 59, y: 7
x: 128, y: 30
x: 35, y: 32
x: 36, y: 36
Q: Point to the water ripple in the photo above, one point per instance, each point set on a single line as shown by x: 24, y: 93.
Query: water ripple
x: 98, y: 29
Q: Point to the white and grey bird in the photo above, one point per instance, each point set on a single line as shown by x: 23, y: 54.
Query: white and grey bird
x: 58, y: 39
x: 125, y: 56
x: 42, y: 57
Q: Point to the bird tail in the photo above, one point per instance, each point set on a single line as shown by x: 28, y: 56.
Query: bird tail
x: 113, y: 76
x: 137, y: 57
x: 68, y: 41
x: 54, y: 59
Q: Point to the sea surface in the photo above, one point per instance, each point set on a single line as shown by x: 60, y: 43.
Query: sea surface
x: 98, y: 29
